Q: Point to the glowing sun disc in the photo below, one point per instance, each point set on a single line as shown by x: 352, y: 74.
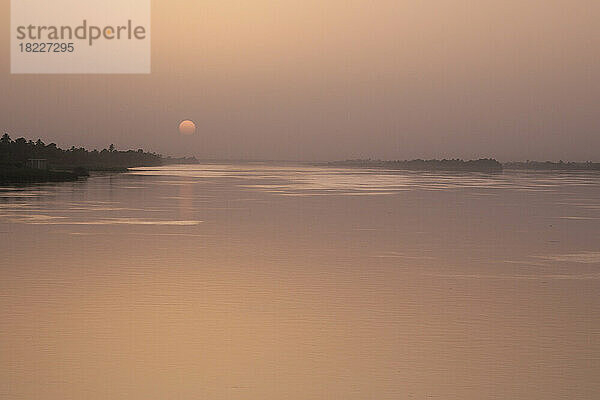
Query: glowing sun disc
x: 187, y: 127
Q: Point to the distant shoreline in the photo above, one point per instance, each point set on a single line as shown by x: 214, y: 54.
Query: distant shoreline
x: 552, y: 166
x: 24, y: 161
x: 457, y: 165
x: 481, y: 165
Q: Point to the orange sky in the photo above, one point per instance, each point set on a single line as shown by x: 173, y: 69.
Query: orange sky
x: 337, y: 79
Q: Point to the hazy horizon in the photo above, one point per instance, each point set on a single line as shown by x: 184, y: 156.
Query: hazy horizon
x: 311, y: 80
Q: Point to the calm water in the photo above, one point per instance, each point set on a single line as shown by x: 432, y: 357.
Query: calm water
x: 261, y: 281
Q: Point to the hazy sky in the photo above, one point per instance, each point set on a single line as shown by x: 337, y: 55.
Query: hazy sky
x: 333, y: 79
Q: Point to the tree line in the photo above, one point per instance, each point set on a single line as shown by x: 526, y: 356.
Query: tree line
x: 16, y: 153
x: 481, y: 165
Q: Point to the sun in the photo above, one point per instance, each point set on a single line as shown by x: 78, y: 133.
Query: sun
x: 187, y: 127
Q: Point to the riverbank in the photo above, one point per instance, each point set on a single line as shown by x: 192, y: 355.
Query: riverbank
x: 552, y: 166
x: 25, y: 161
x: 481, y: 165
x: 22, y: 175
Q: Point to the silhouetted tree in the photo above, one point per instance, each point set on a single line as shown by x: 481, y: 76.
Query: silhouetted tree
x: 17, y: 152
